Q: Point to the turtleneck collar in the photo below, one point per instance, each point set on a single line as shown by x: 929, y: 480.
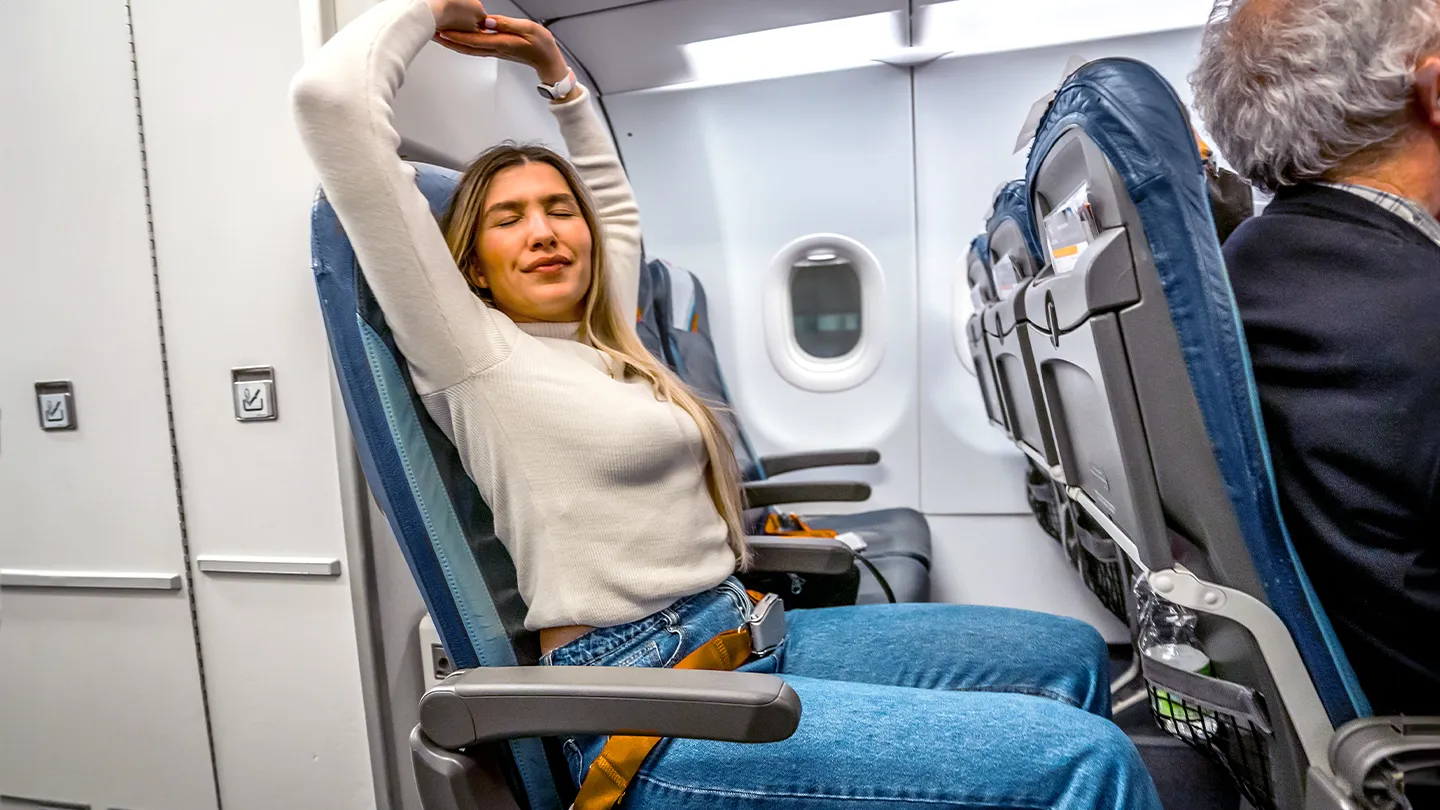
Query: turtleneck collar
x: 558, y: 331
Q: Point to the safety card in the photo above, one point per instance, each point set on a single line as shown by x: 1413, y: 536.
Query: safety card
x: 1070, y: 229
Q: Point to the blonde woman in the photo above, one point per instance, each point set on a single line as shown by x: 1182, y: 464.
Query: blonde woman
x: 616, y: 493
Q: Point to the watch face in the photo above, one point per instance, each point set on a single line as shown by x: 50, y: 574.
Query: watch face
x: 545, y: 93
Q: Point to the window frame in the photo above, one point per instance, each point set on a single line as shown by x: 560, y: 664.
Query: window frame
x: 794, y: 364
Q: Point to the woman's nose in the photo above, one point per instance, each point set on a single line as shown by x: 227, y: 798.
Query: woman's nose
x: 541, y: 234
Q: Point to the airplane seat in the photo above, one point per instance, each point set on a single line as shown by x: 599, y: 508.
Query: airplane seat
x: 897, y: 541
x: 486, y: 733
x: 1012, y: 254
x: 982, y: 296
x: 1156, y: 420
x: 647, y: 323
x: 1013, y: 262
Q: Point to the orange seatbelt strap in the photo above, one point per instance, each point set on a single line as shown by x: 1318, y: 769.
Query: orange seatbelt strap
x: 793, y: 526
x: 611, y: 772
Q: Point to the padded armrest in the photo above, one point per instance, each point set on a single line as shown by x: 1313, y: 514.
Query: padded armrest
x: 799, y: 555
x: 789, y: 462
x: 503, y: 703
x: 774, y: 493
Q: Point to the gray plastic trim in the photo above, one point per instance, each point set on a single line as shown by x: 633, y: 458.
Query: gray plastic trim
x: 1361, y: 747
x: 449, y: 780
x: 267, y: 566
x: 1094, y: 511
x: 1297, y: 692
x: 7, y: 800
x: 1324, y: 792
x: 386, y: 762
x: 775, y: 493
x: 490, y: 704
x: 781, y: 463
x: 87, y: 580
x: 1036, y: 457
x: 800, y: 555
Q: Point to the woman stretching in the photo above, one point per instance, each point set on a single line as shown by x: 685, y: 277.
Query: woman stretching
x: 616, y: 493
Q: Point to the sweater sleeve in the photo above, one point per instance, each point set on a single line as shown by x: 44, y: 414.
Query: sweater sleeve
x: 598, y: 162
x: 342, y: 102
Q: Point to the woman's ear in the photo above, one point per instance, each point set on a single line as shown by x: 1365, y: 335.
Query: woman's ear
x: 1427, y: 89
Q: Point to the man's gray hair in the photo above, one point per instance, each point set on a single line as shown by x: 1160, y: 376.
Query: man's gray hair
x: 1293, y: 90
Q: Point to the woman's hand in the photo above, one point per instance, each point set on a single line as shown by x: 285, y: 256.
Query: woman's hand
x: 458, y: 15
x: 516, y: 40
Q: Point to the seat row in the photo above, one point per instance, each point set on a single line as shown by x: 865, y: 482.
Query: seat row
x: 1108, y: 347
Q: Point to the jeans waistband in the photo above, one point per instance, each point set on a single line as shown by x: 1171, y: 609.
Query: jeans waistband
x: 724, y: 607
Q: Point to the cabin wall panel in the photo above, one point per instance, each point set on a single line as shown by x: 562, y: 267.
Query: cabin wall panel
x: 77, y: 303
x: 968, y: 112
x: 232, y: 189
x: 726, y: 177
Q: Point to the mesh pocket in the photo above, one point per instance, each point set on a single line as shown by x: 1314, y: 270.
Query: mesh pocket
x: 1098, y: 559
x: 1044, y: 500
x: 1225, y: 721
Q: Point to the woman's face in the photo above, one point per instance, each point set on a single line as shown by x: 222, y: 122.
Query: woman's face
x: 534, y: 247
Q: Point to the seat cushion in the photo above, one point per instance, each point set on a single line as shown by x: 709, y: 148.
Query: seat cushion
x: 906, y: 576
x: 887, y: 532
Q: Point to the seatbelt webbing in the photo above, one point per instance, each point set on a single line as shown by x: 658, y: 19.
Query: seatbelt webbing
x: 775, y: 526
x: 611, y: 772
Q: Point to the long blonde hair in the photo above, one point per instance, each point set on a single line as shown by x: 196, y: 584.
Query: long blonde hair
x: 603, y: 326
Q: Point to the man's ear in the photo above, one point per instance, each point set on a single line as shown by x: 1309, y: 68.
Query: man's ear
x: 1427, y: 89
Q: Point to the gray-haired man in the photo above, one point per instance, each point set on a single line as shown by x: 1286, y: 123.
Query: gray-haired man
x: 1334, y: 106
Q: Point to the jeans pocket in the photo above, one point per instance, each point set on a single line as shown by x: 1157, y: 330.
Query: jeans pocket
x: 645, y: 654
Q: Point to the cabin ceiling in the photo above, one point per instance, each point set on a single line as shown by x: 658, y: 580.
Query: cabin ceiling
x: 628, y: 45
x: 553, y: 10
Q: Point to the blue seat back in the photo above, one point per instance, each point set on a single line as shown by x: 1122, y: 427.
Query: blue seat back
x: 977, y: 273
x: 690, y: 350
x: 1011, y: 209
x: 1146, y: 324
x: 444, y: 526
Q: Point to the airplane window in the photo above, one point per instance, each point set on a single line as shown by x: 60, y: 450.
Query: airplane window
x: 825, y: 304
x: 824, y: 312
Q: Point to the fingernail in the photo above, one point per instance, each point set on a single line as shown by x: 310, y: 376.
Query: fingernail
x: 489, y: 23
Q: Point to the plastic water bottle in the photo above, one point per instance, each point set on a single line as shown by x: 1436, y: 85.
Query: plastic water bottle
x: 1168, y: 635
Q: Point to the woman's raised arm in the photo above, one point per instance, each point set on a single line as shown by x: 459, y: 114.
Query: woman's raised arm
x: 342, y: 102
x: 586, y: 138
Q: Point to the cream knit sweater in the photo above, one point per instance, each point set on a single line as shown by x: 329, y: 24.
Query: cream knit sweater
x: 598, y: 489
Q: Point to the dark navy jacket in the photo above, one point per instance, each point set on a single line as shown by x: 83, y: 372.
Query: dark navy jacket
x: 1340, y: 301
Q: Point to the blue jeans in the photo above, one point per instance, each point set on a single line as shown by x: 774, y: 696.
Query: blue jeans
x: 904, y: 707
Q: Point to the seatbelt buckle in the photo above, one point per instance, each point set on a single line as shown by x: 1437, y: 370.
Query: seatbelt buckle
x: 766, y: 625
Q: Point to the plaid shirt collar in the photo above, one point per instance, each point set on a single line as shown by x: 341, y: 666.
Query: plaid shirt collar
x: 1406, y: 209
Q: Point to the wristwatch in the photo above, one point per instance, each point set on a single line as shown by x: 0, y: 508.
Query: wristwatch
x: 560, y: 89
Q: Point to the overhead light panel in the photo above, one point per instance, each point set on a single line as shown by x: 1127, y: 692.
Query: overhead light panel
x: 968, y: 27
x: 817, y: 47
x: 954, y: 27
